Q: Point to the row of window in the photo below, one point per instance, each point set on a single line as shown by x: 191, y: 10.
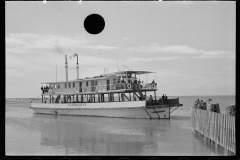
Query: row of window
x: 68, y: 85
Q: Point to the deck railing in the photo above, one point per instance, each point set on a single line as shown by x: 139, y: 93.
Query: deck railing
x: 218, y: 127
x: 118, y: 86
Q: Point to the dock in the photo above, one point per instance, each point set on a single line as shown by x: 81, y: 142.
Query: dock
x: 219, y: 128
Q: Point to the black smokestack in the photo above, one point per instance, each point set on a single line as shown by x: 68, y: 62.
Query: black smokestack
x: 66, y: 67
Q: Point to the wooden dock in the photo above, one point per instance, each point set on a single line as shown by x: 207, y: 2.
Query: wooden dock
x: 219, y: 128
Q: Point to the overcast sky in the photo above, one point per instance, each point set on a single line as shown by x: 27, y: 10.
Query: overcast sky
x: 190, y: 45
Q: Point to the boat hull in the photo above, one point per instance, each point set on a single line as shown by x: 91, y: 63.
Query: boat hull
x: 133, y: 109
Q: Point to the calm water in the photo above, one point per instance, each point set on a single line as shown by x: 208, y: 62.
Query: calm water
x: 36, y: 134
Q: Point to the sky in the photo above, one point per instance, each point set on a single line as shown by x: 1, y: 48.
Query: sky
x: 190, y: 45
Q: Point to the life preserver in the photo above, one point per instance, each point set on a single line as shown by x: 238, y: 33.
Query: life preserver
x: 129, y: 86
x: 153, y: 86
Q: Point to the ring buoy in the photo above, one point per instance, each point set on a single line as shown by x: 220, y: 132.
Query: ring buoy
x: 129, y: 86
x: 153, y: 86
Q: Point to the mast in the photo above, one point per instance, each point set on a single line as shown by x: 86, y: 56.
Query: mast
x: 77, y: 66
x: 66, y: 67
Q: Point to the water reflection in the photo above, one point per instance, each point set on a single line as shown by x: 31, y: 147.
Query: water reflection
x: 213, y: 148
x: 91, y: 135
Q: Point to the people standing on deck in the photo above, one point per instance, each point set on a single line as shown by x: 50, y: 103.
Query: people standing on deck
x: 163, y: 99
x: 114, y: 84
x: 153, y: 82
x: 150, y: 100
x: 139, y: 84
x: 166, y: 100
x: 118, y: 84
x: 42, y: 89
x: 135, y: 84
x: 46, y: 89
x: 196, y: 102
x: 142, y: 85
x: 122, y: 85
x: 129, y: 81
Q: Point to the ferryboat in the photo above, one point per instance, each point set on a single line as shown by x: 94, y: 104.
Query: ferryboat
x: 108, y: 95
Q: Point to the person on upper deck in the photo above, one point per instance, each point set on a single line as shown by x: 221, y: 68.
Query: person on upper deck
x: 129, y: 81
x: 153, y: 82
x: 139, y: 84
x: 142, y: 85
x: 47, y: 89
x: 135, y: 83
x: 42, y: 89
x: 113, y: 86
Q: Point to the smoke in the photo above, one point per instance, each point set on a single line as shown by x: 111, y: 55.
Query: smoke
x: 59, y: 49
x: 72, y: 56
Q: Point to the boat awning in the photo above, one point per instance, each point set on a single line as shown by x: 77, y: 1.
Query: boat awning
x: 135, y: 72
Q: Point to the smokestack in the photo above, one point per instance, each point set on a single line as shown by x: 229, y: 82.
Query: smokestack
x: 77, y: 67
x: 66, y: 67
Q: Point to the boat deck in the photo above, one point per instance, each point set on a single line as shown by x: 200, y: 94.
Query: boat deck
x: 101, y: 92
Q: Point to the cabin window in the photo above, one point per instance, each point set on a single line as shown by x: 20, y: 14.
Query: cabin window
x: 95, y: 83
x: 65, y: 85
x: 69, y: 85
x: 59, y: 86
x: 73, y: 84
x: 92, y: 83
x: 55, y: 85
x: 80, y: 84
x: 86, y: 83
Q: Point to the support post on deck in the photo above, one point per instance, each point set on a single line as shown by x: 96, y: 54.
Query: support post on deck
x: 42, y: 98
x: 155, y: 95
x: 130, y: 96
x: 119, y: 97
x: 122, y: 96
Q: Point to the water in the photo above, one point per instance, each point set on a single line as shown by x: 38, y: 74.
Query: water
x: 36, y: 134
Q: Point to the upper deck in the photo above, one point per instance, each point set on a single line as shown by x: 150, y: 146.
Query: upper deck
x: 116, y: 82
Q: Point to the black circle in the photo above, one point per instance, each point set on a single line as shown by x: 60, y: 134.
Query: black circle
x: 94, y: 24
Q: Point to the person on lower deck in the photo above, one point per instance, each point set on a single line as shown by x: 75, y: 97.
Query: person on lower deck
x: 163, y: 99
x: 150, y: 100
x: 166, y: 100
